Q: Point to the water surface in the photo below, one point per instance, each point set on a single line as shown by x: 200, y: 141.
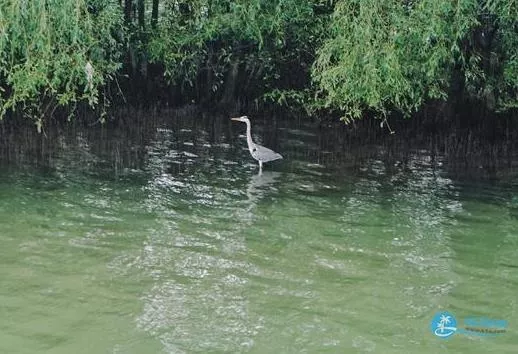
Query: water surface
x: 165, y: 239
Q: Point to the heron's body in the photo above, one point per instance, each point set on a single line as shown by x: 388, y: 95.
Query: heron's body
x: 258, y: 152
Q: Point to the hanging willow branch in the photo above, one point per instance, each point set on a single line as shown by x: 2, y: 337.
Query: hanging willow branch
x: 62, y: 49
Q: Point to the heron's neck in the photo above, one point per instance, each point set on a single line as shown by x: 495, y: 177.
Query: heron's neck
x: 249, y: 136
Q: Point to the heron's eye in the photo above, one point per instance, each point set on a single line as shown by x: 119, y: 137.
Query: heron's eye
x: 254, y: 150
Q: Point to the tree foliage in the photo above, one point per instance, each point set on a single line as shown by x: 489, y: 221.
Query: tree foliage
x: 501, y: 63
x: 56, y: 52
x: 257, y: 38
x: 350, y: 56
x: 394, y: 54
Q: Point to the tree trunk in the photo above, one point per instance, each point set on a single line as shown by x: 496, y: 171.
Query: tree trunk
x: 141, y: 10
x: 231, y: 82
x: 127, y: 10
x: 154, y: 14
x: 209, y: 94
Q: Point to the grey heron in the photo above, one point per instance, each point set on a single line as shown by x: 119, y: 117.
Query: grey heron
x: 258, y: 152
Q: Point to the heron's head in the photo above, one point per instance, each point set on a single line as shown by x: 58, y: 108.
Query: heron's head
x: 243, y: 119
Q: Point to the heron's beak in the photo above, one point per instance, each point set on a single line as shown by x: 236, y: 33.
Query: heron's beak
x: 236, y: 119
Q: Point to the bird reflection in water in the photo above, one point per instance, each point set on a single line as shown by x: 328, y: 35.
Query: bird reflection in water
x: 259, y: 186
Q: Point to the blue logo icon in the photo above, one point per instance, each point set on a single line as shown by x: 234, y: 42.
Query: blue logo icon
x: 443, y: 324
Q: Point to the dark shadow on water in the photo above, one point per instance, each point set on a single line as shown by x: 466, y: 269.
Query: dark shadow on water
x: 189, y: 140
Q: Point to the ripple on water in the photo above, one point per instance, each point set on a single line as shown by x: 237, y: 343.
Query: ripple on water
x: 177, y: 243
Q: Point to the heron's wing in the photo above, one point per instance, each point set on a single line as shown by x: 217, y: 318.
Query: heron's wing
x: 264, y: 154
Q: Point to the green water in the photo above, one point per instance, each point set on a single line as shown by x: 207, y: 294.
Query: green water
x: 168, y: 241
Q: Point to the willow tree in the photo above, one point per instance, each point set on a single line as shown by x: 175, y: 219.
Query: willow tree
x: 395, y: 55
x: 220, y: 46
x: 500, y: 63
x: 56, y: 53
